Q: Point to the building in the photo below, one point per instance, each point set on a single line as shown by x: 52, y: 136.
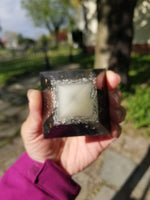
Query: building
x: 141, y: 39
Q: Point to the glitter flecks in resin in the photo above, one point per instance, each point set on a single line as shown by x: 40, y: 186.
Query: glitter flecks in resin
x: 74, y: 101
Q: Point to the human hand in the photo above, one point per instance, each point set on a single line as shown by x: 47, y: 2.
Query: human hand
x: 73, y: 154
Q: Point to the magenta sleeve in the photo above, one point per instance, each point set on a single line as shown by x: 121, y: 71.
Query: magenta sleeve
x: 28, y: 179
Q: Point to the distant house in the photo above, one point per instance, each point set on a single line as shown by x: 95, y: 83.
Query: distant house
x: 11, y: 44
x: 11, y: 40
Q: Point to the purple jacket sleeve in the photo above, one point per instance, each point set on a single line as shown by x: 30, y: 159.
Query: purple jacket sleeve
x: 28, y: 179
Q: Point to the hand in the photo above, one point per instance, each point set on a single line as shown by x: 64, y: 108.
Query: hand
x: 73, y: 154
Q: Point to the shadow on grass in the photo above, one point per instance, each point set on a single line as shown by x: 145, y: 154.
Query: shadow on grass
x: 139, y: 75
x: 11, y: 70
x: 140, y: 69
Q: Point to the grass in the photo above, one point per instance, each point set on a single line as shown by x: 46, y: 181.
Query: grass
x: 139, y: 107
x: 10, y: 70
x: 137, y: 98
x: 140, y: 70
x: 15, y: 67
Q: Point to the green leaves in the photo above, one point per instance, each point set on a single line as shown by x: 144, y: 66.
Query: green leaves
x: 49, y: 13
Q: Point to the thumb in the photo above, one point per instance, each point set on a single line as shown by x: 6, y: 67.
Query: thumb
x: 32, y: 127
x: 35, y: 104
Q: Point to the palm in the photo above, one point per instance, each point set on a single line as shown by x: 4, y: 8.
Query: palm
x: 72, y: 153
x: 79, y: 152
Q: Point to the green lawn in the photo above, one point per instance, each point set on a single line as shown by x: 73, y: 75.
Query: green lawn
x: 137, y: 98
x: 14, y: 67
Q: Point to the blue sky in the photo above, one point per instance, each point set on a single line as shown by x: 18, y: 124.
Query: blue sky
x: 13, y: 18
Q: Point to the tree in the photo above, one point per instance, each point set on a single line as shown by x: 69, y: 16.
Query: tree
x: 44, y: 47
x: 52, y: 14
x: 114, y: 37
x: 1, y: 43
x: 90, y: 21
x: 28, y: 42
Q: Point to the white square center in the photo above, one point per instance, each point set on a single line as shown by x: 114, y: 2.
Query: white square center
x: 75, y: 101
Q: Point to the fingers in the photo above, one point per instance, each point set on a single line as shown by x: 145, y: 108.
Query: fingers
x: 117, y: 115
x: 111, y: 78
x: 32, y: 127
x: 115, y: 130
x: 115, y: 97
x: 35, y: 103
x: 117, y: 112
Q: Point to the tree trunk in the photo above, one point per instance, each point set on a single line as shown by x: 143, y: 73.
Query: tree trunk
x: 114, y: 36
x: 56, y: 32
x: 46, y: 58
x: 90, y: 27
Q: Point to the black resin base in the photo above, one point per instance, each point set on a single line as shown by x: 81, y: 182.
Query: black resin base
x: 53, y: 126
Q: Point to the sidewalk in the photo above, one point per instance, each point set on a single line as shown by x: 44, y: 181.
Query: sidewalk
x: 108, y: 174
x: 99, y: 181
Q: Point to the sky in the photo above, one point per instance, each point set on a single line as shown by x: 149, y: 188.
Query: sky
x: 13, y: 18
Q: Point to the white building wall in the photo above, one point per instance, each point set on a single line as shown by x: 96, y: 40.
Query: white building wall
x: 141, y: 23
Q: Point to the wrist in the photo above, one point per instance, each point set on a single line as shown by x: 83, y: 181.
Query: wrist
x: 48, y: 177
x: 36, y: 158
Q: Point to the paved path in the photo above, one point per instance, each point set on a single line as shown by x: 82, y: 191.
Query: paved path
x: 104, y: 178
